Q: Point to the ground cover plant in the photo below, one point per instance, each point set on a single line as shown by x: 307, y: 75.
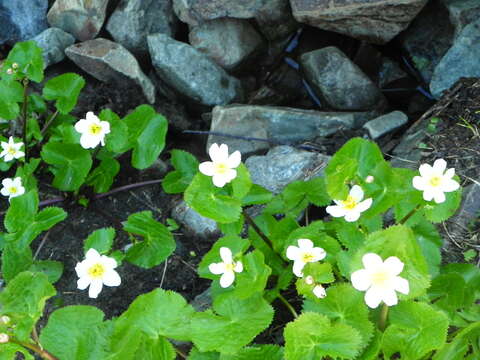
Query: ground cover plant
x: 369, y: 275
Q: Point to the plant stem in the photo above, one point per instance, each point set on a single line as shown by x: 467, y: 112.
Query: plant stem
x: 48, y: 123
x: 44, y: 354
x: 409, y: 215
x: 288, y: 305
x: 382, y: 322
x: 24, y: 116
x: 250, y: 221
x: 180, y: 352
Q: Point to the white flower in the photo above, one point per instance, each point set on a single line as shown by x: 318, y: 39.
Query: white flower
x: 227, y: 268
x: 380, y: 279
x: 222, y: 167
x: 11, y: 150
x: 352, y: 206
x: 319, y: 291
x: 4, y: 338
x: 95, y: 271
x: 435, y: 181
x: 93, y: 131
x: 309, y: 280
x: 12, y: 187
x: 303, y: 254
x: 369, y: 179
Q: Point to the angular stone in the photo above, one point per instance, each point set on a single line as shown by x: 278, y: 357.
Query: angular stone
x: 83, y: 19
x: 227, y: 41
x: 192, y: 73
x: 376, y: 21
x: 111, y: 63
x: 466, y: 214
x: 21, y: 20
x: 275, y: 20
x: 278, y: 124
x: 340, y: 82
x: 384, y: 124
x: 133, y: 20
x: 461, y: 60
x: 462, y: 12
x: 194, y: 12
x: 428, y: 38
x: 193, y: 222
x: 283, y: 165
x: 53, y: 42
x: 389, y: 72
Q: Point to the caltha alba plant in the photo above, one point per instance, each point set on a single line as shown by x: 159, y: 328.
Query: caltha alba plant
x: 365, y: 282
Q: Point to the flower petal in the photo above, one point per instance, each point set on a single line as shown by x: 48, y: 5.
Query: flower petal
x: 439, y: 197
x: 207, y: 168
x: 226, y: 255
x: 230, y: 175
x: 425, y: 170
x: 439, y: 166
x: 92, y: 255
x: 335, y: 210
x: 108, y: 262
x: 356, y: 193
x: 293, y: 252
x: 305, y: 244
x: 364, y: 205
x: 372, y: 261
x: 88, y: 141
x: 217, y: 268
x: 83, y: 282
x: 91, y: 117
x: 419, y: 183
x: 298, y: 268
x: 390, y: 297
x: 352, y: 215
x: 394, y: 265
x: 81, y: 126
x: 319, y: 291
x: 238, y: 267
x: 450, y: 185
x: 450, y: 173
x: 401, y: 285
x: 318, y: 253
x: 111, y: 278
x: 428, y: 194
x: 234, y: 159
x: 227, y: 279
x: 95, y: 288
x: 373, y: 297
x: 361, y: 279
x: 219, y: 180
x: 7, y: 182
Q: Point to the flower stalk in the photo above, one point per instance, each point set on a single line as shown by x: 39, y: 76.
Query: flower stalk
x: 288, y: 305
x: 382, y: 321
x: 24, y: 116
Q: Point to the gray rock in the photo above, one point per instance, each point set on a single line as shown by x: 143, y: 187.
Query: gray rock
x: 428, y: 38
x: 53, y: 42
x: 202, y: 301
x: 389, y: 72
x: 340, y: 82
x: 193, y: 222
x: 278, y: 124
x: 194, y: 12
x: 283, y: 165
x: 376, y: 21
x: 407, y: 153
x: 191, y: 72
x: 460, y: 223
x: 384, y: 124
x: 22, y: 19
x: 462, y: 12
x: 227, y: 41
x: 133, y: 20
x: 83, y: 19
x: 461, y: 60
x: 111, y: 63
x: 275, y: 20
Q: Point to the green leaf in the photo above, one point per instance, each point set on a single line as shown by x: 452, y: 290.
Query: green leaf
x: 36, y: 103
x: 232, y: 324
x: 256, y: 352
x: 146, y: 133
x: 11, y: 93
x: 64, y: 133
x: 29, y: 58
x: 234, y: 228
x: 186, y: 166
x: 33, y: 129
x: 415, y: 330
x: 10, y: 351
x: 344, y: 305
x: 242, y: 183
x: 117, y: 140
x: 313, y: 336
x: 398, y: 241
x: 256, y: 196
x: 101, y: 178
x: 321, y: 274
x: 64, y: 89
x: 348, y: 233
x: 441, y: 212
x: 100, y: 240
x: 53, y: 269
x: 76, y: 333
x: 430, y: 242
x: 23, y: 301
x: 195, y: 354
x: 158, y: 243
x: 253, y: 278
x: 159, y: 312
x: 26, y: 172
x: 21, y: 212
x: 461, y: 344
x: 210, y: 201
x: 71, y: 164
x: 15, y: 260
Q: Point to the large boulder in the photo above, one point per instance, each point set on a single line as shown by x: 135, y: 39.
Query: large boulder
x: 111, y: 63
x: 192, y: 73
x: 461, y: 60
x: 376, y: 21
x: 53, y: 42
x: 133, y: 20
x: 83, y: 19
x: 462, y: 12
x: 22, y: 19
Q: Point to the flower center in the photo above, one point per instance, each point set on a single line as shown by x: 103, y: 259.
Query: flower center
x: 435, y: 181
x: 307, y: 257
x: 350, y: 203
x: 96, y: 270
x: 229, y: 267
x: 221, y: 168
x: 95, y: 129
x: 380, y: 278
x: 11, y: 150
x: 13, y: 190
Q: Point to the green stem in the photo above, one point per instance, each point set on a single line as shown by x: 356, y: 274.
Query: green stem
x: 288, y: 305
x: 382, y: 322
x: 180, y: 352
x: 24, y: 117
x: 48, y: 123
x: 44, y: 354
x: 250, y: 221
x: 409, y: 215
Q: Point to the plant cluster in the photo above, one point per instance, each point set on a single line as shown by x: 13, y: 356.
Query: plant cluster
x: 366, y: 282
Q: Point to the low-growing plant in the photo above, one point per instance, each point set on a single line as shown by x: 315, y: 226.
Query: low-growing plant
x: 366, y: 282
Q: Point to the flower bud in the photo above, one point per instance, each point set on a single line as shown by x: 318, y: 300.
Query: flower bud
x: 4, y: 338
x: 9, y: 71
x: 14, y: 66
x: 369, y: 179
x: 319, y: 291
x: 309, y: 280
x: 4, y: 319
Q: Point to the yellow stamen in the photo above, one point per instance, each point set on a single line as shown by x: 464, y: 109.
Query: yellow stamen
x: 350, y: 203
x: 435, y: 181
x: 229, y: 267
x: 13, y: 190
x: 380, y: 278
x: 221, y: 168
x: 307, y: 257
x: 95, y: 129
x: 96, y: 271
x: 12, y: 151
